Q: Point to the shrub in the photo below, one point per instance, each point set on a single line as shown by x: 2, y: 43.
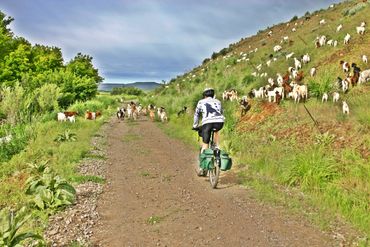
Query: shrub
x: 351, y: 11
x: 294, y: 18
x: 66, y: 136
x: 10, y: 224
x: 49, y: 191
x: 128, y: 91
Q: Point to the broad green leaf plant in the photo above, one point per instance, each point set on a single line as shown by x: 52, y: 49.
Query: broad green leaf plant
x: 10, y: 225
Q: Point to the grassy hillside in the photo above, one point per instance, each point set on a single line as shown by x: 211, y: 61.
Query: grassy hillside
x: 324, y: 168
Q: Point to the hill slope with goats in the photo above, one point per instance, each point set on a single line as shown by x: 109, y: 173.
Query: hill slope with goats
x: 303, y: 152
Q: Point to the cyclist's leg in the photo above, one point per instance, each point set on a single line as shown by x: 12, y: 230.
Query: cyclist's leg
x: 216, y: 136
x: 206, y: 136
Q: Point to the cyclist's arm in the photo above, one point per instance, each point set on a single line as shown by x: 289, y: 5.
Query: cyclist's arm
x: 197, y: 112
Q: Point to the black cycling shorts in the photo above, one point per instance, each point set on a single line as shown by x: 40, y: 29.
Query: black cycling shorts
x: 207, y: 128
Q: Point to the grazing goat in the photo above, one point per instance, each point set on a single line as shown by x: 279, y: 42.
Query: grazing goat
x: 322, y: 22
x: 72, y: 119
x: 294, y: 29
x: 244, y: 105
x: 360, y: 30
x: 300, y: 92
x: 289, y: 55
x: 364, y: 58
x: 313, y: 71
x: 325, y: 97
x: 344, y: 84
x: 230, y: 95
x: 336, y: 97
x: 70, y: 113
x: 120, y: 113
x: 182, y: 111
x: 339, y: 27
x: 279, y: 79
x: 347, y: 38
x: 345, y: 66
x: 345, y: 108
x: 278, y: 97
x: 364, y: 76
x: 363, y: 24
x: 297, y: 64
x: 306, y: 58
x: 61, y: 117
x: 277, y: 48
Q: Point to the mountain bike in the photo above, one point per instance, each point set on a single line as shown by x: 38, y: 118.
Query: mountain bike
x: 214, y: 166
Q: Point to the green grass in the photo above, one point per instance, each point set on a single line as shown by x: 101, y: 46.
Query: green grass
x: 80, y: 179
x: 155, y: 219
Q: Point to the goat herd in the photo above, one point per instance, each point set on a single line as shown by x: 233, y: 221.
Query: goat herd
x: 133, y: 111
x: 291, y: 86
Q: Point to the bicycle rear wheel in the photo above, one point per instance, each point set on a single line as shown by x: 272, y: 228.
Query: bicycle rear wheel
x: 214, y: 174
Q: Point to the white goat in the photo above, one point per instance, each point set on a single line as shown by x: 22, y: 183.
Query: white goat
x: 322, y: 22
x: 345, y: 108
x: 277, y: 48
x: 336, y: 97
x: 279, y: 79
x: 313, y: 71
x: 335, y: 43
x: 294, y: 29
x: 61, y: 117
x: 297, y: 64
x: 72, y: 119
x: 324, y: 97
x: 289, y: 55
x: 363, y: 24
x: 322, y: 40
x: 347, y: 38
x: 360, y: 30
x: 306, y: 58
x: 339, y: 27
x: 364, y: 76
x: 364, y: 58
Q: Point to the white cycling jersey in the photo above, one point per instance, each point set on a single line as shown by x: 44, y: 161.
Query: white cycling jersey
x: 211, y: 111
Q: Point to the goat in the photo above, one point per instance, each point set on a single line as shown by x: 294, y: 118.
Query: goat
x: 336, y: 97
x: 345, y: 108
x: 344, y: 84
x: 364, y: 76
x: 182, y: 111
x: 289, y: 55
x: 347, y: 38
x: 72, y: 119
x: 277, y: 48
x: 360, y: 30
x: 345, y: 66
x: 322, y: 22
x: 245, y: 106
x: 61, y: 117
x: 324, y: 97
x: 339, y: 27
x: 278, y: 97
x: 297, y: 64
x: 306, y: 58
x: 313, y: 71
x: 364, y: 58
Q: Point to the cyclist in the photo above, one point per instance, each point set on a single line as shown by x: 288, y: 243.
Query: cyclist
x: 212, y: 117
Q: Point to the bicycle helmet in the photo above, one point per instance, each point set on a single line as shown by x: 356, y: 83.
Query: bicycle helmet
x: 209, y: 92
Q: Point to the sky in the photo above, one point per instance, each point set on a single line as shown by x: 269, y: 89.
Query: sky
x: 147, y: 40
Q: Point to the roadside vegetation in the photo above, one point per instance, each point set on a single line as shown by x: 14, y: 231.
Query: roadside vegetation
x: 322, y: 170
x: 38, y: 154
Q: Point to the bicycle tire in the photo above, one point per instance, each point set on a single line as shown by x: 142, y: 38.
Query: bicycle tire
x: 214, y: 174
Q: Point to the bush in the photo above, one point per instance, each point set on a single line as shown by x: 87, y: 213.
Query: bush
x: 294, y: 18
x: 127, y: 91
x: 351, y: 11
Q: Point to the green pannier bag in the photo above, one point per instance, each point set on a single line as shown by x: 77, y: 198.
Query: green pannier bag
x: 206, y: 159
x: 226, y: 161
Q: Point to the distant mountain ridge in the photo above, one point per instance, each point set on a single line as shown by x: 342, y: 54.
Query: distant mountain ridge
x: 146, y: 86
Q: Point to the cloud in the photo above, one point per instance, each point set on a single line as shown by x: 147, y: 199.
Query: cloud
x: 147, y: 38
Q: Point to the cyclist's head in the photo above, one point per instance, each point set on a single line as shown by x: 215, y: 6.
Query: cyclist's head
x: 209, y: 92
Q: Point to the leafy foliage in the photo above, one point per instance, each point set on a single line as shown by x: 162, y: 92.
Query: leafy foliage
x: 127, y: 91
x: 49, y: 191
x: 10, y: 225
x: 66, y: 136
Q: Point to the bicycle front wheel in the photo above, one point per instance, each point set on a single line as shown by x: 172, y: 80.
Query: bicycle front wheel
x: 214, y: 174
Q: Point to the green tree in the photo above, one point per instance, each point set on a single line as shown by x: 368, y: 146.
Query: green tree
x: 81, y: 65
x: 16, y: 64
x: 47, y: 97
x: 46, y: 58
x: 12, y: 103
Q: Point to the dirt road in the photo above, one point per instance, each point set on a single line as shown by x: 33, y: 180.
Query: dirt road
x: 154, y: 198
